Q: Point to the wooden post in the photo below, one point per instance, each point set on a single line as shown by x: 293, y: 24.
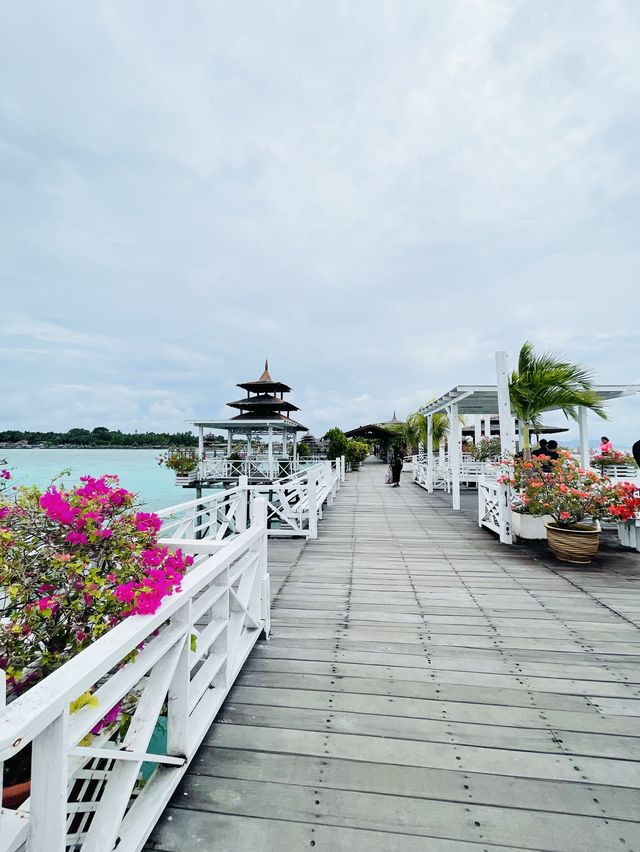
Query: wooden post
x: 201, y: 452
x: 430, y: 471
x: 312, y: 491
x: 178, y: 695
x: 259, y: 519
x: 328, y: 476
x: 583, y: 425
x: 270, y: 452
x: 454, y: 454
x: 49, y: 779
x: 243, y: 508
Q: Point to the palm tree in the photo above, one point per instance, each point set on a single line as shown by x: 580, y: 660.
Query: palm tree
x: 546, y: 382
x: 416, y: 429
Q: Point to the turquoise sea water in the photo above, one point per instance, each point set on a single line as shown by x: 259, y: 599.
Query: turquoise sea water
x: 138, y: 471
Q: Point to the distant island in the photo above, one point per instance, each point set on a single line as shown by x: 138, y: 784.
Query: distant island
x: 97, y: 438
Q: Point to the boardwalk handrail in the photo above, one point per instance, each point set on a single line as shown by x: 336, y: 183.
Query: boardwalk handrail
x: 494, y: 507
x: 84, y: 797
x: 294, y: 505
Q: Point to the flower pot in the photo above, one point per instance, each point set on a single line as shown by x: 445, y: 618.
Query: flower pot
x: 577, y: 544
x: 529, y: 527
x: 15, y: 795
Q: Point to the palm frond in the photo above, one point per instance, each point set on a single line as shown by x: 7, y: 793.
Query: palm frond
x: 547, y: 382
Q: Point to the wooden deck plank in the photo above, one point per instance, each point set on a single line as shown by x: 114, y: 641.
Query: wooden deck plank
x: 424, y: 688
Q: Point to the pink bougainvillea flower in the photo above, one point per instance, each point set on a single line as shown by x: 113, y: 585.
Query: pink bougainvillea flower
x: 76, y: 538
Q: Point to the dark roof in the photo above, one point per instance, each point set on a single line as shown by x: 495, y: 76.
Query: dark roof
x: 263, y: 401
x: 265, y: 382
x: 277, y: 418
x: 371, y: 430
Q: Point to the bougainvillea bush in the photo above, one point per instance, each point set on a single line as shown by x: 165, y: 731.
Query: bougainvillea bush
x: 74, y: 562
x: 567, y: 492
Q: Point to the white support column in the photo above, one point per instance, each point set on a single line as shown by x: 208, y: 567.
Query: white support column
x: 583, y: 425
x: 201, y: 451
x: 343, y: 469
x: 229, y: 442
x: 430, y: 471
x: 270, y: 451
x: 507, y: 432
x: 507, y: 442
x: 477, y: 428
x: 454, y: 454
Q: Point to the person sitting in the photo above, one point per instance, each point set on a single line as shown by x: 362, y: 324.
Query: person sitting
x: 542, y: 448
x: 552, y: 450
x: 605, y: 446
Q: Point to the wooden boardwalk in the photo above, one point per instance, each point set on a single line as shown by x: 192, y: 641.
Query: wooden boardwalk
x: 425, y: 688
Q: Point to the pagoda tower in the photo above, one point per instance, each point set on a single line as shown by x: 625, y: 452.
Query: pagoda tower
x: 263, y: 418
x: 265, y: 401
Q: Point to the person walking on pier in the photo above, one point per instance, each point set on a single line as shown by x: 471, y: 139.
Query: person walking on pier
x: 396, y: 468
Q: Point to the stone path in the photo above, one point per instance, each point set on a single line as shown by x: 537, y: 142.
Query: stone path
x: 425, y: 688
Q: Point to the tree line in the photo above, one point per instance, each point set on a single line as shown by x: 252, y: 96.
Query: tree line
x: 98, y: 437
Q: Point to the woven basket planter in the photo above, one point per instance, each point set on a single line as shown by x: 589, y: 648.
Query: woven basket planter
x: 577, y: 544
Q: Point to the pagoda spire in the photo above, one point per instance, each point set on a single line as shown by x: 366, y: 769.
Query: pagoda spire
x: 266, y: 376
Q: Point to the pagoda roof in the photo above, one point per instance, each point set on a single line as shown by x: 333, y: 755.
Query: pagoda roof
x: 273, y: 418
x: 265, y: 382
x: 263, y: 401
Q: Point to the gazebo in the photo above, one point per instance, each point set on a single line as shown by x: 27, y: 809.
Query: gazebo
x: 483, y: 401
x: 374, y: 432
x: 264, y: 418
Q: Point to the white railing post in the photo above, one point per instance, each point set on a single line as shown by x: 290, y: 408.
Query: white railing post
x: 178, y: 695
x: 49, y: 779
x: 343, y: 468
x: 312, y: 492
x: 504, y: 513
x: 259, y: 519
x: 243, y: 507
x: 3, y: 702
x: 328, y: 474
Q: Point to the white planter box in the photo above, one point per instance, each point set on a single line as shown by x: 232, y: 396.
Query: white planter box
x: 186, y: 479
x: 530, y: 527
x: 629, y: 534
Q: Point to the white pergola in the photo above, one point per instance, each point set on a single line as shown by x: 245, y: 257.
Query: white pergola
x: 482, y: 401
x: 249, y: 429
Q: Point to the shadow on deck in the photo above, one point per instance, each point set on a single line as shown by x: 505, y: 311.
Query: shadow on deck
x: 425, y: 688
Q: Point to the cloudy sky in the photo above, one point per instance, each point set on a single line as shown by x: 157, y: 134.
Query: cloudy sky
x: 376, y: 195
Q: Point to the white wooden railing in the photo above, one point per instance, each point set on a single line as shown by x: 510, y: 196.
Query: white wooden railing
x: 294, y: 506
x: 470, y: 472
x: 494, y: 507
x: 88, y: 796
x: 620, y: 472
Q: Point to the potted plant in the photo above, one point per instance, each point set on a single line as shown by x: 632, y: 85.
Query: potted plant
x: 356, y: 452
x: 73, y: 564
x: 612, y: 459
x: 527, y: 521
x: 576, y: 499
x: 184, y: 462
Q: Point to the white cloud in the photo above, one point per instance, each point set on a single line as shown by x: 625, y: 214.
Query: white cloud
x: 376, y: 195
